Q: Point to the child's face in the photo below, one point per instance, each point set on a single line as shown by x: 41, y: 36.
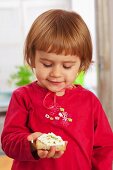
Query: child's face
x: 56, y: 72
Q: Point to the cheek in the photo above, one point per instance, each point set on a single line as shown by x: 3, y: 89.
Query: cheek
x: 75, y: 72
x: 40, y: 73
x: 72, y: 75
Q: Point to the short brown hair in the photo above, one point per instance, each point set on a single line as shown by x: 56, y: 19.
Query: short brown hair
x: 59, y: 31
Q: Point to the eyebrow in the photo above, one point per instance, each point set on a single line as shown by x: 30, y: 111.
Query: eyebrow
x: 44, y: 59
x: 49, y: 60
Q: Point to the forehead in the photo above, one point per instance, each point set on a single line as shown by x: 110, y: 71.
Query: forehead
x: 56, y: 57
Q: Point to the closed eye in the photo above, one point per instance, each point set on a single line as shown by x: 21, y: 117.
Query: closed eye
x: 47, y: 65
x: 67, y: 67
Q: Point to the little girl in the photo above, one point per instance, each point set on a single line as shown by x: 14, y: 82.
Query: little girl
x: 57, y: 48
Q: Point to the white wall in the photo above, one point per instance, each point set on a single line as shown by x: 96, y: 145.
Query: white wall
x: 87, y: 10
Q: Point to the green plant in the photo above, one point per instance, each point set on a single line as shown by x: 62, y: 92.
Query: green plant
x: 22, y: 76
x: 80, y: 78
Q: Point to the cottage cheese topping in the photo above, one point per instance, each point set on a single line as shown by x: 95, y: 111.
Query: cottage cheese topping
x: 51, y: 139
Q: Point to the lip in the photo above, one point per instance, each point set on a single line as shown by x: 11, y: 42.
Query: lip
x: 55, y: 82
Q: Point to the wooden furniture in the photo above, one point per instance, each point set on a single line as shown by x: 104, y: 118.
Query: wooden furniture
x: 104, y: 30
x: 5, y: 163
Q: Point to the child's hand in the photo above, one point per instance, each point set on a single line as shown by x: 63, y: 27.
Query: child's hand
x: 52, y: 153
x: 34, y: 136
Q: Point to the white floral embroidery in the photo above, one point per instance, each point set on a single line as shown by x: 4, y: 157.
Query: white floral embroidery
x: 57, y: 118
x: 60, y: 114
x: 47, y: 116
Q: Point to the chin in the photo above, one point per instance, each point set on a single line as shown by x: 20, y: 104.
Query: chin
x: 55, y: 90
x: 52, y: 90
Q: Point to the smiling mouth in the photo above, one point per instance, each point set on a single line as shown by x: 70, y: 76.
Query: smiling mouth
x: 55, y: 82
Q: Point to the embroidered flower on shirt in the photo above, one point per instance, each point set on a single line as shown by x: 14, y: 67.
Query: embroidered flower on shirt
x: 59, y: 115
x: 56, y: 113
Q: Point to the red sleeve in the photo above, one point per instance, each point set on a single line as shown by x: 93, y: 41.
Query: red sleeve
x: 15, y: 132
x: 103, y: 141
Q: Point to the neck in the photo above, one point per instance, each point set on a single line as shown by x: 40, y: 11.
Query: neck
x: 60, y: 93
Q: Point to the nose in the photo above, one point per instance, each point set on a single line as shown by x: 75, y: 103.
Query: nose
x: 55, y: 71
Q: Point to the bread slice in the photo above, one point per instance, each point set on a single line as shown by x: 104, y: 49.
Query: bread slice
x: 45, y: 141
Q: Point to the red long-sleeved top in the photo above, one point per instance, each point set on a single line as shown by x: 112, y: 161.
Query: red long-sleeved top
x: 82, y: 123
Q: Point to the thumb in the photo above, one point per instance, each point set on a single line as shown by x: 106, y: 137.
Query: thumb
x: 33, y: 136
x: 66, y: 142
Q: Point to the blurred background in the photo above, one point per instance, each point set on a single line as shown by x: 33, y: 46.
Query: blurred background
x: 16, y: 17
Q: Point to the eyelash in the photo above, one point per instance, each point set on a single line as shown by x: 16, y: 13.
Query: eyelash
x: 47, y: 65
x: 50, y: 65
x: 67, y: 67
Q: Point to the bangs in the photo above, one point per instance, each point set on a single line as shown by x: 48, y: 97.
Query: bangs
x: 59, y: 44
x: 59, y: 34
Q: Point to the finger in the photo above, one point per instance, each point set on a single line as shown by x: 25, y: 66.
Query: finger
x: 34, y: 136
x: 58, y: 154
x: 66, y: 142
x: 51, y: 152
x: 42, y: 153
